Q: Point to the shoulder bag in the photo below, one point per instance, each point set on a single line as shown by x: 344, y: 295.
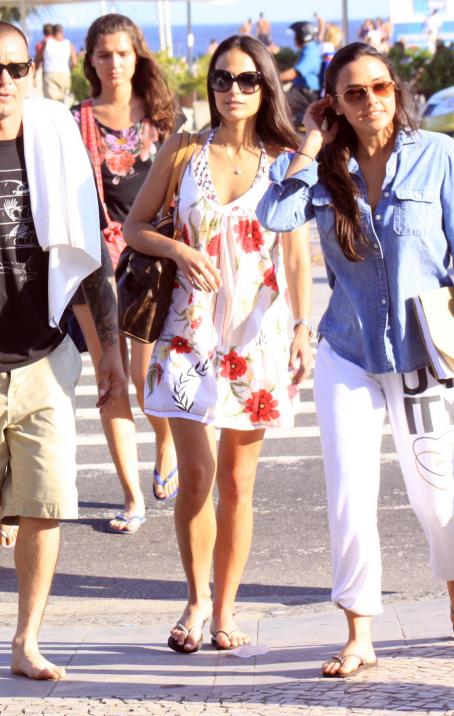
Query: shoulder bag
x: 145, y: 283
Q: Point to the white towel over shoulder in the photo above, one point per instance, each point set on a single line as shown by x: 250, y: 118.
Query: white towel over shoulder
x: 63, y: 199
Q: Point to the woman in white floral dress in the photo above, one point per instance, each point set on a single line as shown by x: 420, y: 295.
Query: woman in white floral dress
x: 222, y: 360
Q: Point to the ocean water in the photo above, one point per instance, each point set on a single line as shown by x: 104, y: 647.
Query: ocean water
x: 203, y: 34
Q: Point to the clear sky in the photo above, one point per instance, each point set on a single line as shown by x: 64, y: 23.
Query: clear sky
x: 219, y: 12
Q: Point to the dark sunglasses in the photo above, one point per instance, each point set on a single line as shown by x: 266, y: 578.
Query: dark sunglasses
x: 355, y: 95
x: 248, y: 82
x: 16, y: 69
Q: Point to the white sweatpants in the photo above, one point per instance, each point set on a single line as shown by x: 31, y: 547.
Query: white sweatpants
x: 351, y: 406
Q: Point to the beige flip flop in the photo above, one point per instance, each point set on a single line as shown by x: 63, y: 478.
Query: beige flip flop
x: 363, y: 665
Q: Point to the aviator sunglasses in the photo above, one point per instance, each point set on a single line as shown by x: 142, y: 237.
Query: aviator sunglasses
x: 355, y: 95
x: 248, y: 82
x: 16, y: 70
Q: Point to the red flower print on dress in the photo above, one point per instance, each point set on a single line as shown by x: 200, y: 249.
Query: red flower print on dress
x: 262, y: 407
x: 120, y: 163
x: 213, y: 245
x: 269, y: 279
x: 249, y: 234
x: 185, y: 235
x: 180, y: 345
x: 196, y: 323
x: 233, y: 366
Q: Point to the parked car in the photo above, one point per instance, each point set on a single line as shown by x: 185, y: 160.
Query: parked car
x: 438, y: 114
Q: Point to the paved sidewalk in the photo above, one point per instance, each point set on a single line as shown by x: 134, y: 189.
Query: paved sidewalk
x: 124, y: 666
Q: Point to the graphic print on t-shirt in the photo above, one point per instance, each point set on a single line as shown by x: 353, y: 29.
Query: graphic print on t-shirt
x: 20, y: 248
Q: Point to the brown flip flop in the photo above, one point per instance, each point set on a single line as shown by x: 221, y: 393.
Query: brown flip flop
x: 176, y: 646
x: 363, y: 665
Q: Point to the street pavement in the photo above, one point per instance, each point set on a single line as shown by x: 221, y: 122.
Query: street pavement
x: 115, y: 597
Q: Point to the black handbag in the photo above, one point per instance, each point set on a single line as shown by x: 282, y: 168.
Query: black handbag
x: 145, y: 283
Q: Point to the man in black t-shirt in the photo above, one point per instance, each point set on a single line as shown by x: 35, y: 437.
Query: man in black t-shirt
x: 43, y: 207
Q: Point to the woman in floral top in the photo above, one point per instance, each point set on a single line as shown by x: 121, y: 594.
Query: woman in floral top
x: 222, y: 360
x: 132, y: 112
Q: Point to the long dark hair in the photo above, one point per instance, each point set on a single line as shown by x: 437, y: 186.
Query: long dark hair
x: 333, y: 168
x: 148, y: 81
x: 273, y: 123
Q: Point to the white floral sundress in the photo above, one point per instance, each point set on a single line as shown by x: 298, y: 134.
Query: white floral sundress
x: 222, y: 358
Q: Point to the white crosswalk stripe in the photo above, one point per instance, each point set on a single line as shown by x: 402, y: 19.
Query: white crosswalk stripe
x: 90, y: 434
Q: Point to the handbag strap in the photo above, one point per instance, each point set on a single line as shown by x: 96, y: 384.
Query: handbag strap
x: 183, y: 156
x: 90, y: 139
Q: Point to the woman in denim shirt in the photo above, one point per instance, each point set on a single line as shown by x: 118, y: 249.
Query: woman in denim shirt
x: 383, y: 198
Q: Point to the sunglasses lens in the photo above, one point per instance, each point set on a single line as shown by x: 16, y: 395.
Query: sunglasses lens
x: 16, y: 69
x: 383, y: 89
x: 353, y: 96
x: 249, y: 82
x: 221, y: 81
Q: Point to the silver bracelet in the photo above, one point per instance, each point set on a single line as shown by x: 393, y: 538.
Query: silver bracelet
x: 308, y: 324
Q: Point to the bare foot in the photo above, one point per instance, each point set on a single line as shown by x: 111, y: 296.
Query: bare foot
x: 32, y: 664
x: 228, y: 635
x: 351, y: 657
x: 193, y: 619
x: 452, y: 615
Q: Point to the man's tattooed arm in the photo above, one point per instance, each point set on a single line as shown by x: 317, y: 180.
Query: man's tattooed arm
x: 101, y: 295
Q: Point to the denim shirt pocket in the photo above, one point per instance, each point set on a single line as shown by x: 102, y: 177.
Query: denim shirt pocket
x: 413, y: 212
x: 324, y: 213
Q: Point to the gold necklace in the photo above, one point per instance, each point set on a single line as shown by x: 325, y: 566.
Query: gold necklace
x: 237, y: 170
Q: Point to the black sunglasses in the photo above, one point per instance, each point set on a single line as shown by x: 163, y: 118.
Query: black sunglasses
x: 248, y: 82
x: 16, y: 69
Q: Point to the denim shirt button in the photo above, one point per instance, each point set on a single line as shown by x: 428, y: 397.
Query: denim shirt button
x: 378, y: 217
x: 384, y: 301
x: 386, y: 194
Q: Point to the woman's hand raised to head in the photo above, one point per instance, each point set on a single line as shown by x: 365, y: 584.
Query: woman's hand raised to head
x: 316, y: 122
x: 197, y: 268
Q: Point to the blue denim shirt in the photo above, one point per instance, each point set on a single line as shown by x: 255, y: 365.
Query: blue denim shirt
x: 370, y: 318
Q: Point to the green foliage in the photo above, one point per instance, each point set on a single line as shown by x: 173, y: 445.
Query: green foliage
x: 408, y: 62
x: 180, y: 79
x: 438, y: 73
x: 12, y: 14
x: 9, y: 14
x: 425, y: 73
x: 286, y: 58
x: 79, y: 83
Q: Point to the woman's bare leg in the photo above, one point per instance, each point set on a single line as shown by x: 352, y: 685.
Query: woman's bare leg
x: 118, y: 426
x: 237, y: 465
x: 195, y: 522
x: 165, y: 452
x: 451, y: 598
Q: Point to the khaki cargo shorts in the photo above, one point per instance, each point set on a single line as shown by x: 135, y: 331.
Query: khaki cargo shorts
x: 38, y: 437
x: 56, y: 85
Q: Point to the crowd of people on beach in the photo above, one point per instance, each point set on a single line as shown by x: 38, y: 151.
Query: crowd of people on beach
x: 380, y: 191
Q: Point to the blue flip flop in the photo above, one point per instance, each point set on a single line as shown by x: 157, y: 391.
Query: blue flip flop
x: 157, y: 480
x: 121, y: 517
